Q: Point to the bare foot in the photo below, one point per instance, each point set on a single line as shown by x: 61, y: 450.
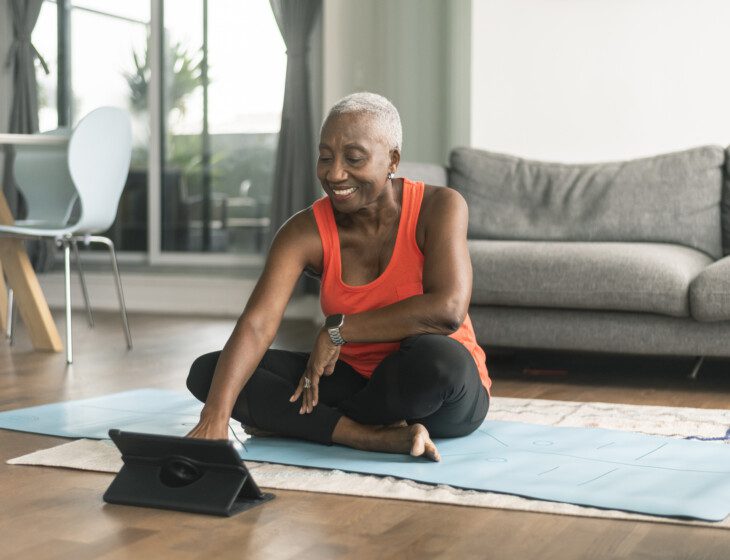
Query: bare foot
x: 421, y: 444
x: 389, y: 439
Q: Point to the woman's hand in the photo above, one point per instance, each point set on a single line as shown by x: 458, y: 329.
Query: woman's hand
x: 210, y: 428
x: 322, y: 361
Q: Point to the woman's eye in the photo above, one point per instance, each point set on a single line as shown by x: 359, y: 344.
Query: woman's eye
x: 354, y: 160
x: 324, y: 158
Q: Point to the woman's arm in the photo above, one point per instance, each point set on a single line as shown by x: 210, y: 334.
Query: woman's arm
x: 293, y: 248
x: 447, y: 279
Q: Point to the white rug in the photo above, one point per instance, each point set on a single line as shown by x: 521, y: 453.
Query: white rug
x: 710, y: 424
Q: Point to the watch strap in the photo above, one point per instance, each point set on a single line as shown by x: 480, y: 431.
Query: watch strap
x: 334, y: 329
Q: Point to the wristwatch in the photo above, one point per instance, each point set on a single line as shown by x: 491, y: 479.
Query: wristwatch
x: 333, y: 324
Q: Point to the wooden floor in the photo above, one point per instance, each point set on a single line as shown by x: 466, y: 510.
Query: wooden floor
x: 55, y: 513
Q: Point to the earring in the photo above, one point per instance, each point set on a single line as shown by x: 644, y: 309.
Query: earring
x: 391, y: 175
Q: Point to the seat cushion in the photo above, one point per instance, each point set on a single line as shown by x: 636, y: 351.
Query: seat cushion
x: 639, y: 277
x: 670, y: 198
x: 709, y: 293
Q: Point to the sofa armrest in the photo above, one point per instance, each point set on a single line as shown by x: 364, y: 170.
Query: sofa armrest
x: 709, y: 292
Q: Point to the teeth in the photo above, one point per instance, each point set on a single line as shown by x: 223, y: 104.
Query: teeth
x: 345, y: 192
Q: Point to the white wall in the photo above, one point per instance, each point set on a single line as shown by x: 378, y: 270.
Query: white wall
x: 585, y: 80
x: 416, y: 53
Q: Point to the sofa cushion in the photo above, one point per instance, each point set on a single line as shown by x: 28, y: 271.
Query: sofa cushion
x: 640, y: 277
x: 671, y: 198
x: 709, y: 293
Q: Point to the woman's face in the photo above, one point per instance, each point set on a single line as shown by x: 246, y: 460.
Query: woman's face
x: 354, y: 161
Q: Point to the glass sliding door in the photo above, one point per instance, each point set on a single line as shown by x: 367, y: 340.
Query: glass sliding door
x: 45, y: 39
x: 224, y: 66
x: 106, y: 42
x: 108, y: 47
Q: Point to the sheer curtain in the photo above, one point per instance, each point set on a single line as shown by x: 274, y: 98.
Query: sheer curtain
x: 294, y: 185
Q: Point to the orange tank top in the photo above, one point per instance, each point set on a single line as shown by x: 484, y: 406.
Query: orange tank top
x: 401, y: 279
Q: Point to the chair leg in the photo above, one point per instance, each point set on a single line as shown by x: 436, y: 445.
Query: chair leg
x: 120, y: 293
x: 10, y: 316
x: 67, y: 277
x: 84, y: 291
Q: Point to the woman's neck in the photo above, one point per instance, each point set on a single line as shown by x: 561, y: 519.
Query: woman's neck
x: 380, y: 213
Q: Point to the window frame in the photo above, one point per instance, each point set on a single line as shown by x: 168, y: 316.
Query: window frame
x: 154, y: 256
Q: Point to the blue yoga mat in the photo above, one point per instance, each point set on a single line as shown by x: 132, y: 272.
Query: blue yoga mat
x: 585, y: 466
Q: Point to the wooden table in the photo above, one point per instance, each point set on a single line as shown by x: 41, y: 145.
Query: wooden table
x: 16, y: 266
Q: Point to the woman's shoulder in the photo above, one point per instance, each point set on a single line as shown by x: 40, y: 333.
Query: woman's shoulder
x: 439, y: 200
x: 303, y: 223
x: 300, y: 233
x: 440, y: 193
x: 438, y: 204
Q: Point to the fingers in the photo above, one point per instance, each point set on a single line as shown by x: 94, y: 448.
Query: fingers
x: 304, y: 393
x: 298, y: 392
x: 305, y: 396
x: 202, y: 431
x: 197, y: 432
x: 310, y: 396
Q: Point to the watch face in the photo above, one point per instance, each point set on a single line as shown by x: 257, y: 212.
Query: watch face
x: 334, y: 321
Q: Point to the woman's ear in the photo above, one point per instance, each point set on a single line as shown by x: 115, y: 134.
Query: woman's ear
x: 394, y: 160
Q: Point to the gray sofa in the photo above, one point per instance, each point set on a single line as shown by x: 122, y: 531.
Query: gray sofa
x: 611, y: 257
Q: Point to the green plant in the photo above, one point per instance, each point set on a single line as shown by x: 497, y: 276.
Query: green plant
x: 182, y: 72
x: 182, y: 76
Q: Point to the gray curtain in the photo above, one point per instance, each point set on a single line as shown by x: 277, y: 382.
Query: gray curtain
x: 22, y: 55
x: 24, y: 109
x: 6, y: 75
x: 293, y: 187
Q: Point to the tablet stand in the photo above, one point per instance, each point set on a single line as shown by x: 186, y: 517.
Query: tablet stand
x: 182, y: 484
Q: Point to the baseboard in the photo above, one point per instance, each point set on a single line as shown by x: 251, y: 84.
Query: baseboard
x: 169, y: 293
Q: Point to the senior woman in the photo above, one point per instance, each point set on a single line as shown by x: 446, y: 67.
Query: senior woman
x: 396, y: 362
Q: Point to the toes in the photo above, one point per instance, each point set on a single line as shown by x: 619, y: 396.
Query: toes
x: 418, y: 447
x: 432, y: 452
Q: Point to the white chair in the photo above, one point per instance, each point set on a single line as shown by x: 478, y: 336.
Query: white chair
x: 93, y: 170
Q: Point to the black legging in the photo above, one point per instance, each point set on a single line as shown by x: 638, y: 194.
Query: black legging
x: 431, y: 380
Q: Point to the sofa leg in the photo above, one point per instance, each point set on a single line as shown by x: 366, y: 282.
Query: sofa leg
x: 696, y: 368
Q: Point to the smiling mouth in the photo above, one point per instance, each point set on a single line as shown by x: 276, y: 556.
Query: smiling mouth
x: 344, y: 192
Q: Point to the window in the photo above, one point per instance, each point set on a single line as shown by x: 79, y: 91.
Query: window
x: 45, y: 39
x: 223, y: 90
x: 217, y: 90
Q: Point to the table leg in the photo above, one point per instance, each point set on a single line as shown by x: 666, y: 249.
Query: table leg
x: 28, y: 295
x: 3, y: 302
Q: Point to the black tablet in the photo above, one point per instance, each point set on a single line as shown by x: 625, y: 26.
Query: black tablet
x: 196, y: 475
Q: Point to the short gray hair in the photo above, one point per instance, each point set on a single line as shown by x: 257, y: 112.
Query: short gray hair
x: 382, y: 110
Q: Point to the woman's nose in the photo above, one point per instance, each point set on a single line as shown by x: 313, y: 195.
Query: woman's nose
x: 336, y: 171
